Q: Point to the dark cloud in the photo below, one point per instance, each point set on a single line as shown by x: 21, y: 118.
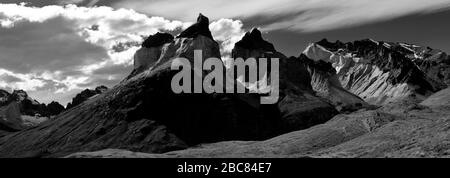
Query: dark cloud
x: 51, y: 45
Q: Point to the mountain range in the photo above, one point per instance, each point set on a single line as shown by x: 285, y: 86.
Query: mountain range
x: 364, y: 98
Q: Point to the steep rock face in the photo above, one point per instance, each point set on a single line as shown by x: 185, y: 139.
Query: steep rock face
x: 437, y: 67
x: 433, y: 62
x: 203, y: 117
x: 28, y: 106
x: 148, y: 55
x: 157, y: 40
x: 378, y: 72
x: 299, y: 107
x: 159, y: 48
x: 324, y: 68
x: 182, y: 47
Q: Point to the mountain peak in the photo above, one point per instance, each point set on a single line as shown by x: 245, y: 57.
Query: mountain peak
x: 86, y: 95
x: 202, y: 19
x: 201, y: 27
x: 157, y: 39
x: 253, y: 40
x: 256, y: 33
x: 330, y: 45
x: 20, y: 94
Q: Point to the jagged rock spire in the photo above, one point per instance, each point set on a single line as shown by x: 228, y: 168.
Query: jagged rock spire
x: 201, y: 27
x: 254, y: 40
x: 157, y: 39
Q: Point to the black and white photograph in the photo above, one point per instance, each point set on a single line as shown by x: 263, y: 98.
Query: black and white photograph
x: 224, y: 79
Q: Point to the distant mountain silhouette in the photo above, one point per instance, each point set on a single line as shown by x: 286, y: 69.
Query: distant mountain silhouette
x: 13, y: 106
x: 85, y: 95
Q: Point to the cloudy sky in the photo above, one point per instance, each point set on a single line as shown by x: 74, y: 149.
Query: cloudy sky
x: 53, y: 49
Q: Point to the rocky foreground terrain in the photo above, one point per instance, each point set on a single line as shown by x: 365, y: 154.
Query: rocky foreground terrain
x: 405, y: 129
x: 18, y: 111
x: 358, y: 99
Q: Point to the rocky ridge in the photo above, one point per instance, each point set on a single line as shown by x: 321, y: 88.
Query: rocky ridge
x: 17, y: 105
x: 325, y: 68
x: 378, y: 72
x: 298, y: 105
x: 86, y: 95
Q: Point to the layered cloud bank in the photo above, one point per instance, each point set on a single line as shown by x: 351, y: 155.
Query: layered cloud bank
x: 298, y: 15
x: 55, y: 51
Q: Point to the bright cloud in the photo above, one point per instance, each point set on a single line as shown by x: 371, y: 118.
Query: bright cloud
x: 87, y: 2
x: 10, y: 80
x: 228, y: 32
x: 299, y: 15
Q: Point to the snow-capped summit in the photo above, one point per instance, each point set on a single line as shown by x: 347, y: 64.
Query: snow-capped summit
x: 324, y: 67
x: 381, y: 72
x: 317, y: 53
x: 372, y: 40
x: 338, y: 59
